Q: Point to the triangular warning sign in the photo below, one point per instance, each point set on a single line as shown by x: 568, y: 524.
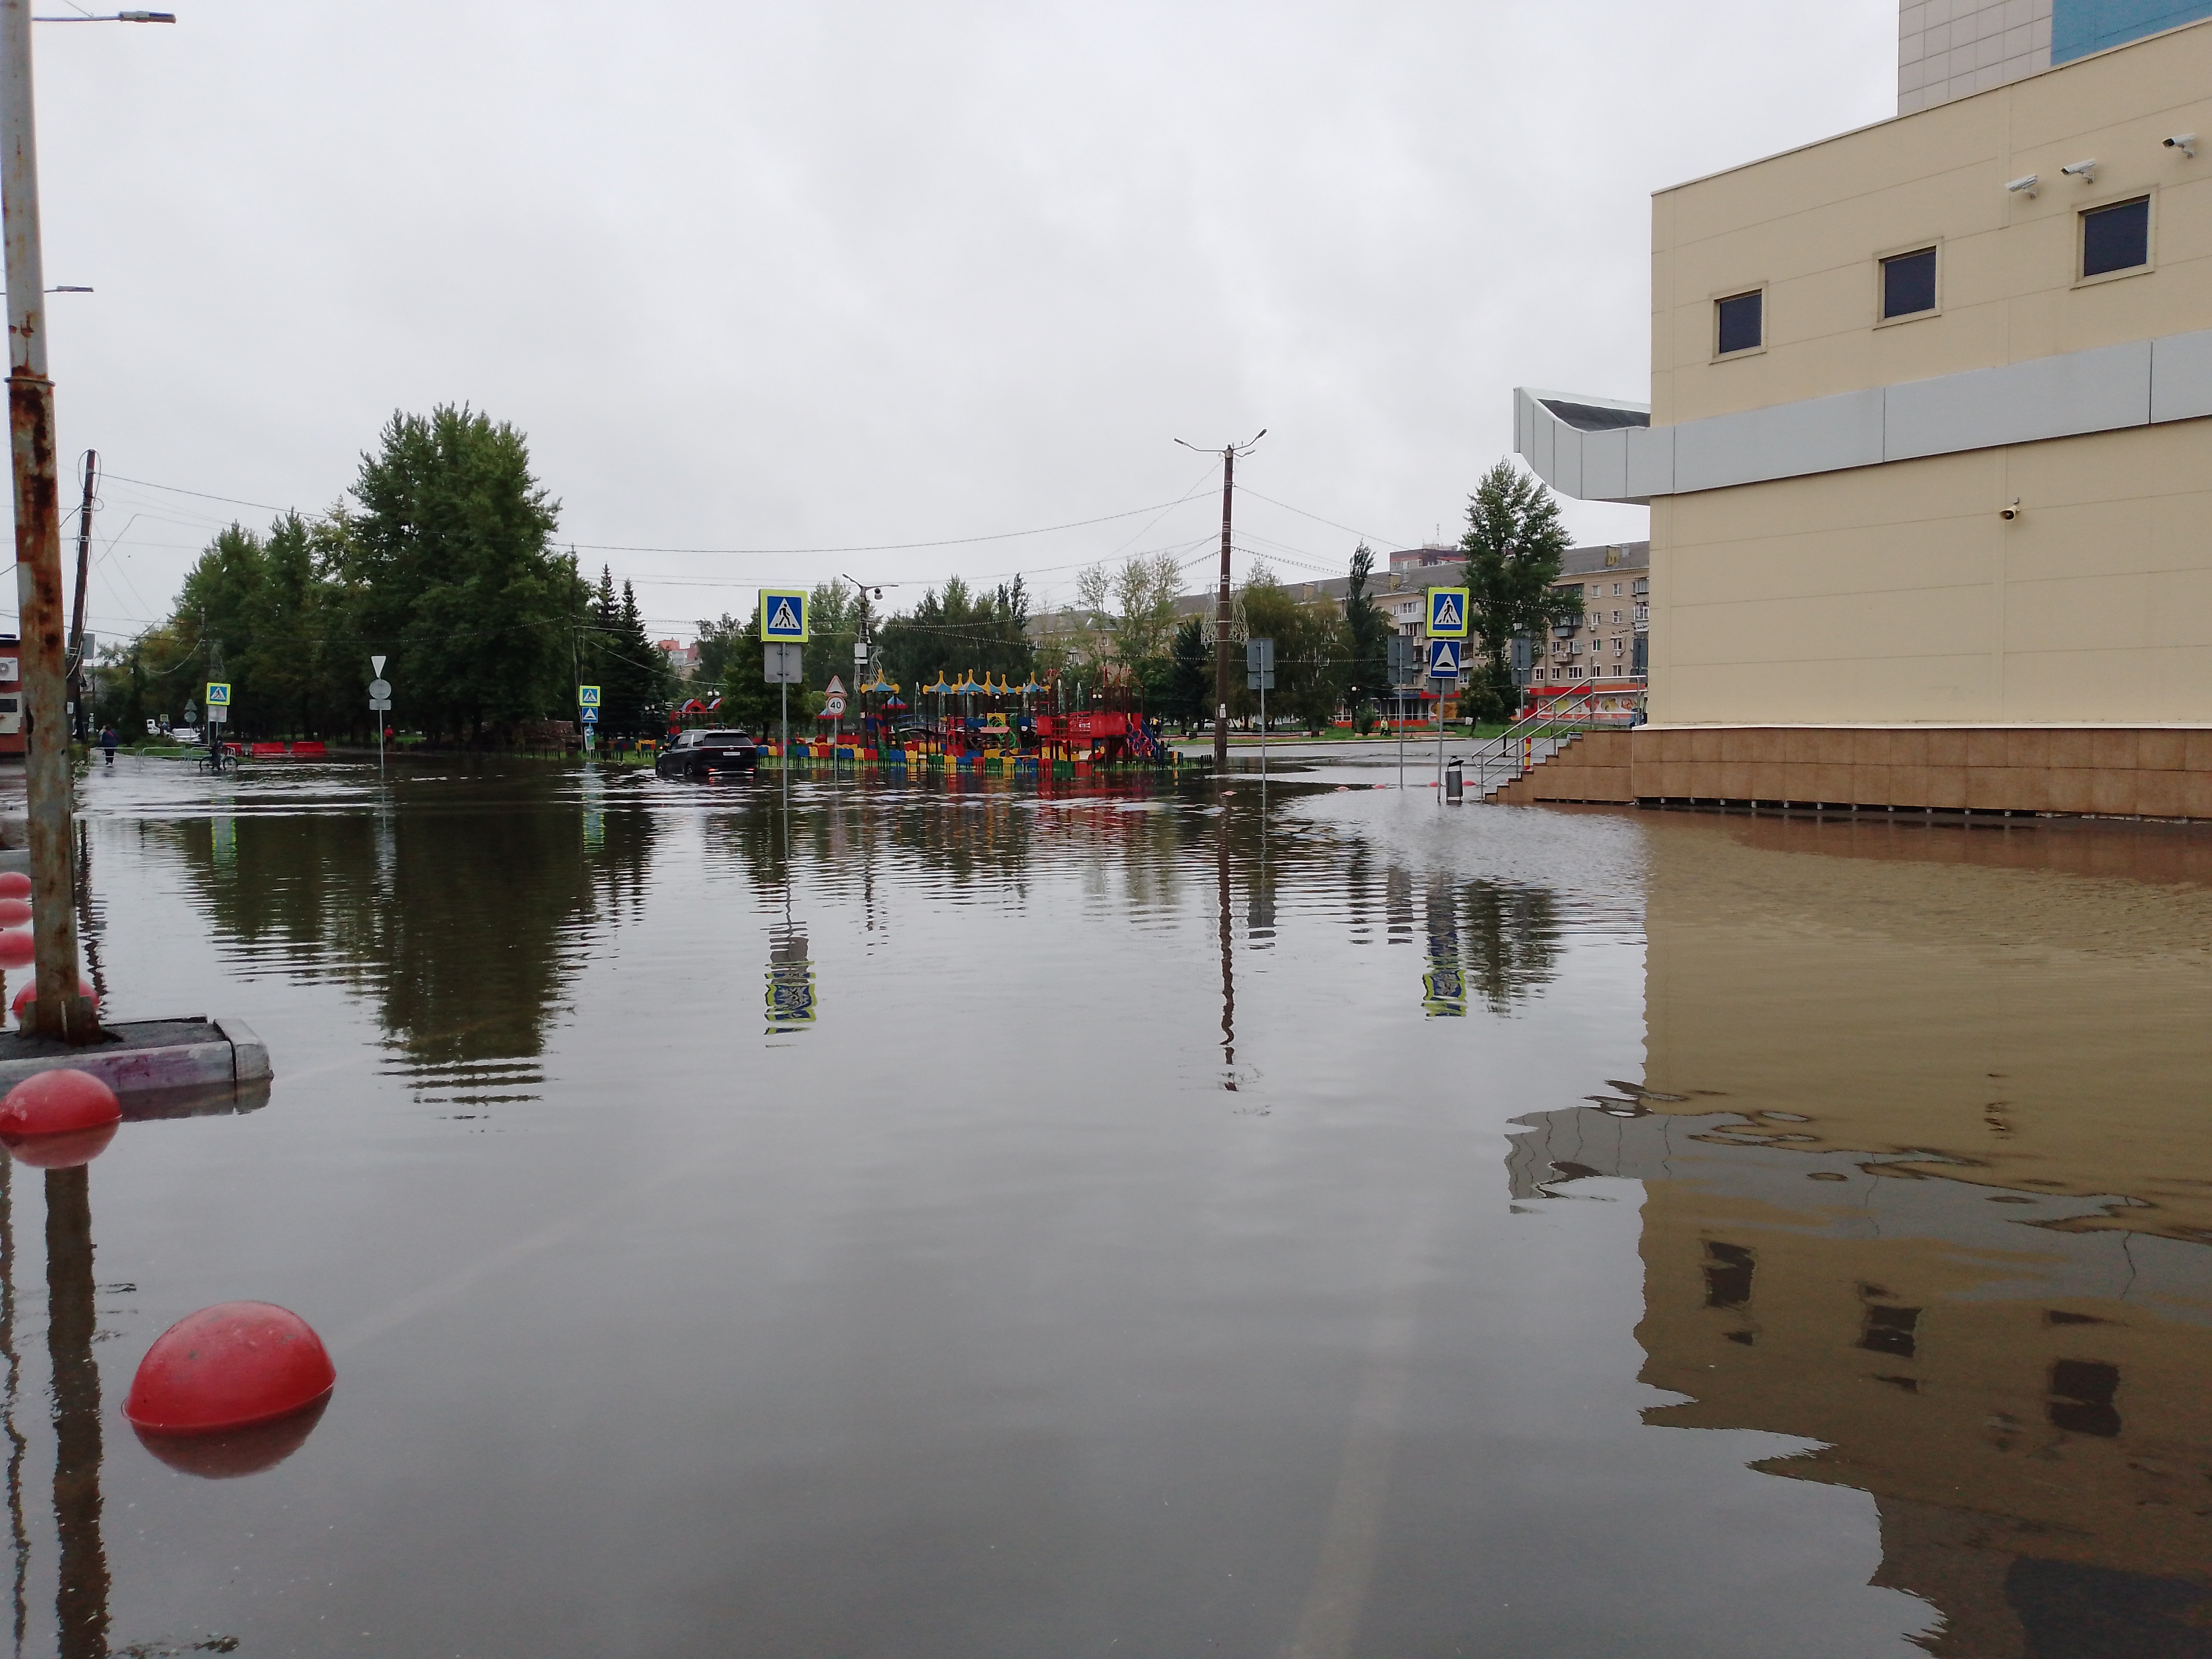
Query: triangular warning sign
x: 783, y: 619
x: 836, y: 686
x: 1447, y: 613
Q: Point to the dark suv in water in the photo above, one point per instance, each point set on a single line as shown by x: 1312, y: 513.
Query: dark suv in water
x: 696, y: 754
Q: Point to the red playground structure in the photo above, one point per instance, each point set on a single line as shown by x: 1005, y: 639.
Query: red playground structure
x: 1103, y: 737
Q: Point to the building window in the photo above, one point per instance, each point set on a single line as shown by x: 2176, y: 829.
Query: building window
x: 1908, y: 285
x: 1739, y: 324
x: 1616, y: 594
x: 2116, y: 237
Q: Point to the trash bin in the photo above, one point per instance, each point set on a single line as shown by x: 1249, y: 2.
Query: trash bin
x: 1455, y: 788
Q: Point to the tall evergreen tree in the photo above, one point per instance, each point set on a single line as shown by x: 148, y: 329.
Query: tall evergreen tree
x: 1367, y: 635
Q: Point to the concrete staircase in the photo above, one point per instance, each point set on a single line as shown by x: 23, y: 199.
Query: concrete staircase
x: 1589, y: 766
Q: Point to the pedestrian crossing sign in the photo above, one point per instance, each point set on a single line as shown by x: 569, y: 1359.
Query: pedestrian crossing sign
x: 783, y: 616
x: 218, y: 694
x: 587, y: 696
x: 1448, y: 613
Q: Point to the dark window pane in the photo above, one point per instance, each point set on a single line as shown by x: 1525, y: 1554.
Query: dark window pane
x: 1727, y: 1274
x: 2116, y: 237
x: 1740, y: 322
x: 1908, y: 283
x: 2082, y: 1395
x: 1891, y: 1331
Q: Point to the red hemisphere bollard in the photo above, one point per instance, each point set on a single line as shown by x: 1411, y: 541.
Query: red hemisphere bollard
x: 60, y: 1119
x: 13, y: 883
x: 24, y: 997
x: 16, y: 949
x: 14, y: 912
x: 235, y: 1365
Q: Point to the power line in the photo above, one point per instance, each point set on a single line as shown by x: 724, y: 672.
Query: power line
x: 745, y: 552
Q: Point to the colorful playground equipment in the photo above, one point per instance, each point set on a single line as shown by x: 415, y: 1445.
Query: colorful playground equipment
x: 980, y: 723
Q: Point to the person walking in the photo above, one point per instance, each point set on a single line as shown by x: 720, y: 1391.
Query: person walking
x: 108, y: 743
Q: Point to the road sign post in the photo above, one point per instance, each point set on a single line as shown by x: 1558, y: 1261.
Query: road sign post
x: 1259, y: 676
x: 379, y: 703
x: 782, y: 664
x: 1445, y: 661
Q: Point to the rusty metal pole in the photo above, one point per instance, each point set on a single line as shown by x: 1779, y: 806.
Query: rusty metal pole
x: 80, y: 725
x: 59, y: 1011
x: 1221, y: 619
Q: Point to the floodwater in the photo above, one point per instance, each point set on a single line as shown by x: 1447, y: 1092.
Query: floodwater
x: 971, y: 1220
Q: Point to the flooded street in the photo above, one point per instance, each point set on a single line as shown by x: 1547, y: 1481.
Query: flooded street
x: 974, y: 1220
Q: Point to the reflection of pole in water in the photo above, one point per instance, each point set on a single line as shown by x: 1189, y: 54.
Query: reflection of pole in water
x: 88, y: 917
x: 1228, y: 960
x: 80, y: 1597
x: 1443, y: 987
x: 16, y: 1445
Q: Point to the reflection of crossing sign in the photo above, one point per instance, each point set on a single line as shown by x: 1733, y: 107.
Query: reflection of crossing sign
x: 783, y: 615
x: 1443, y: 659
x: 587, y: 696
x: 1448, y: 613
x: 218, y: 694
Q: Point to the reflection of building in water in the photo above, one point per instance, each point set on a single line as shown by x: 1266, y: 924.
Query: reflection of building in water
x: 1928, y: 1180
x: 791, y: 1005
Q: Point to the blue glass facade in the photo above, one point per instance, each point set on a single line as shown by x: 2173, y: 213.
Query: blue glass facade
x: 2079, y: 28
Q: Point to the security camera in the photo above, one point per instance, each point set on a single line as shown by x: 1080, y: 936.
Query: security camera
x: 2085, y: 170
x: 2023, y: 186
x: 2008, y: 513
x: 2184, y: 142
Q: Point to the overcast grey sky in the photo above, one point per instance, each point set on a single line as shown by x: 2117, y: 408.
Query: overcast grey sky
x: 820, y: 276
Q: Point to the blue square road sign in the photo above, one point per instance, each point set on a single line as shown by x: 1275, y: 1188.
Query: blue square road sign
x: 783, y: 616
x: 1447, y: 613
x: 1443, y: 659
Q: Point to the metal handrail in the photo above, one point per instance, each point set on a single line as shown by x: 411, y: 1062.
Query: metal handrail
x: 1561, y: 716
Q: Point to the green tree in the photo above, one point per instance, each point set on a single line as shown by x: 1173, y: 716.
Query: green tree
x: 1308, y: 652
x: 448, y: 571
x: 1514, y: 543
x: 749, y: 703
x: 1190, y: 691
x: 633, y: 675
x: 1366, y: 633
x: 718, y: 641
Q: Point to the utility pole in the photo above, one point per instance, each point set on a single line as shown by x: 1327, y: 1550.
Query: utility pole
x: 59, y: 1011
x: 83, y: 573
x: 1229, y: 454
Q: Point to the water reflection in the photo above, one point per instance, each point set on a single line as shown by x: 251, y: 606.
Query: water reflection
x: 80, y: 1615
x: 464, y: 928
x: 1918, y: 1189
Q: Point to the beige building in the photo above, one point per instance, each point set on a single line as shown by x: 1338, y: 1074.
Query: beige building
x: 1927, y: 445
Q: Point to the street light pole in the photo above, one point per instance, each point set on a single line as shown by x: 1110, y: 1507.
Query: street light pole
x: 1229, y: 454
x: 59, y: 1011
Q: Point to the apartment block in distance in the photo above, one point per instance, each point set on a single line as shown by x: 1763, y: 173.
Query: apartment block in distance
x: 1928, y: 448
x: 1598, y: 652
